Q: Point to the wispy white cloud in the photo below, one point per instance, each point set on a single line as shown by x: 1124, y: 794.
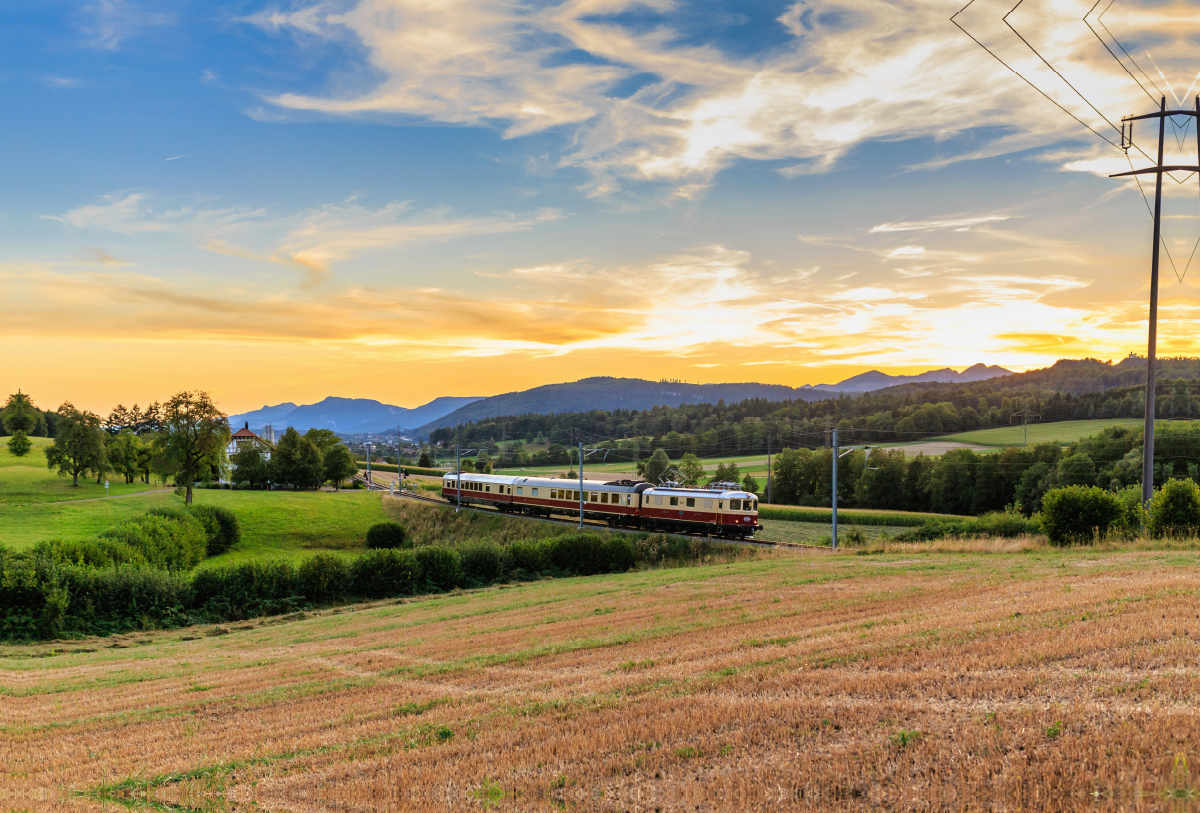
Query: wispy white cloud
x: 111, y: 22
x: 310, y: 240
x: 852, y: 72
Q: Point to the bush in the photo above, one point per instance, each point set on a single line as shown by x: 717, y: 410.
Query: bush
x: 221, y: 526
x: 588, y: 554
x: 1133, y: 513
x: 441, y: 567
x: 1174, y: 510
x: 323, y: 578
x: 481, y: 564
x: 109, y: 600
x: 1079, y: 514
x: 90, y: 553
x: 247, y: 589
x: 524, y: 560
x: 171, y: 540
x: 385, y: 573
x: 387, y: 535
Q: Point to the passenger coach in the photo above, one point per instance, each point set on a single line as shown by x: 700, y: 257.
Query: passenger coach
x: 715, y: 510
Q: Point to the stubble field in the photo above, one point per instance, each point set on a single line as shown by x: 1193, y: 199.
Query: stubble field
x: 1037, y: 681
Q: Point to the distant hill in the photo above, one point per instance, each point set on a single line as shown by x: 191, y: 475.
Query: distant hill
x: 875, y: 380
x: 617, y: 393
x: 348, y: 415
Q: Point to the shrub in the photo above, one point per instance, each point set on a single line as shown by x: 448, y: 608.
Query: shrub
x: 108, y: 600
x: 385, y: 573
x: 387, y: 535
x: 481, y: 564
x: 1133, y: 513
x: 589, y: 554
x: 441, y: 567
x: 247, y: 589
x: 1174, y: 510
x: 524, y: 560
x: 221, y: 526
x: 324, y: 577
x: 90, y: 553
x: 167, y: 539
x: 1079, y: 514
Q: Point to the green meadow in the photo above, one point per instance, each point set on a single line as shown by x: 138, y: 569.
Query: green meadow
x: 1060, y: 432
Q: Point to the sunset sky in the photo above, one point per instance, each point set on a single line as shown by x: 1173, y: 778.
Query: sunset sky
x: 401, y: 199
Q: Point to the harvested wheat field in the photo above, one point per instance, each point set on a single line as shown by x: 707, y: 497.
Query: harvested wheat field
x: 1031, y: 681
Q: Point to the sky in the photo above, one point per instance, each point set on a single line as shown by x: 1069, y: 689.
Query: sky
x: 404, y: 199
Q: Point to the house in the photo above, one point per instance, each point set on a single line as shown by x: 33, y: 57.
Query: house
x: 244, y: 438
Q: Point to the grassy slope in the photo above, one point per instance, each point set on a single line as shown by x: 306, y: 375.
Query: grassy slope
x: 966, y: 680
x: 27, y: 480
x: 1059, y: 432
x: 276, y: 523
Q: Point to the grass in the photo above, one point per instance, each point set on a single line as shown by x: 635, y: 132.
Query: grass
x: 1058, y: 432
x: 274, y: 523
x: 25, y: 480
x: 851, y: 516
x: 807, y: 533
x: 747, y: 464
x: 931, y: 681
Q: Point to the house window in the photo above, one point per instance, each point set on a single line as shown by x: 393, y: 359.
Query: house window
x: 735, y: 505
x: 518, y: 490
x: 674, y: 501
x: 691, y: 502
x: 708, y: 503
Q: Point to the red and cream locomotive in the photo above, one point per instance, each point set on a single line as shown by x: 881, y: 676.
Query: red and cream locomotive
x: 717, y: 510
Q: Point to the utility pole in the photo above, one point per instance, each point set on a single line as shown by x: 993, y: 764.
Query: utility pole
x: 768, y: 468
x: 1024, y: 416
x: 457, y: 477
x: 581, y: 494
x: 833, y: 539
x: 369, y: 484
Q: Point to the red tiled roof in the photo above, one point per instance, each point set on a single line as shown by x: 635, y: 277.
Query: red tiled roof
x: 244, y: 432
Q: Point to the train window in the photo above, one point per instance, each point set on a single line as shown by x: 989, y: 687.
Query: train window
x: 708, y: 503
x: 604, y: 497
x: 628, y: 500
x: 533, y: 492
x: 691, y: 502
x: 720, y: 503
x: 735, y: 505
x: 750, y: 505
x: 674, y: 501
x: 518, y: 489
x: 554, y: 493
x: 487, y: 488
x: 658, y: 500
x: 595, y: 497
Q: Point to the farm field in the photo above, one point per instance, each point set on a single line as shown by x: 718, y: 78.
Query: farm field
x: 808, y: 533
x: 1047, y: 680
x: 27, y: 480
x: 1058, y: 432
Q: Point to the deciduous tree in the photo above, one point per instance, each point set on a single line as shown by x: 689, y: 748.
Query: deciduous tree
x: 656, y: 466
x: 339, y: 465
x: 195, y: 434
x: 78, y: 443
x: 297, y: 462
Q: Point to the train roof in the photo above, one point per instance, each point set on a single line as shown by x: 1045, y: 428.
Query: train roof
x: 595, y: 485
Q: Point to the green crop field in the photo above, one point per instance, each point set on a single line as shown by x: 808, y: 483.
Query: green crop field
x: 1058, y: 432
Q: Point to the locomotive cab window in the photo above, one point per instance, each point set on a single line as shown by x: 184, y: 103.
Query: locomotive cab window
x: 708, y: 503
x: 658, y: 500
x: 487, y: 488
x: 674, y: 501
x: 735, y: 505
x: 691, y: 502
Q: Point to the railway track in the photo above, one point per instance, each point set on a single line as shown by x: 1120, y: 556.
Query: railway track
x: 574, y: 523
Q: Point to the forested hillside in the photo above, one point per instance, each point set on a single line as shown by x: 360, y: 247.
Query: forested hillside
x: 1070, y: 390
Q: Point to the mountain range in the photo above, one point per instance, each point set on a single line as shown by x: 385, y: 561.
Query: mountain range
x: 875, y: 380
x: 347, y: 415
x: 362, y: 415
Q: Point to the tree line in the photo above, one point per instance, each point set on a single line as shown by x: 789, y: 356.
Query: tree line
x: 903, y: 413
x: 184, y: 439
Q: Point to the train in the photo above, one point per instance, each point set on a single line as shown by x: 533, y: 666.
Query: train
x: 720, y: 509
